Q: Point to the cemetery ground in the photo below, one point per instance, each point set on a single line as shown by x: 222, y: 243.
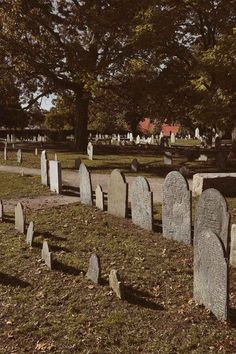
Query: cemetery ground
x: 61, y: 311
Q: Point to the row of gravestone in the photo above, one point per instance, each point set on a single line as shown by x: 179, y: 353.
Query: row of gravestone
x: 211, y: 227
x: 94, y: 269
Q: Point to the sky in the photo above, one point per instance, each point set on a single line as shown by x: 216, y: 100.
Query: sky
x: 46, y: 102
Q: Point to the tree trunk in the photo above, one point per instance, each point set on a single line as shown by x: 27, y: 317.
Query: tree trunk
x: 81, y: 121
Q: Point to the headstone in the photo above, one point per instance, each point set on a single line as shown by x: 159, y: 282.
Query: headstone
x: 137, y: 141
x: 177, y: 208
x: 197, y: 133
x: 90, y: 151
x: 8, y: 138
x: 167, y: 158
x: 46, y: 255
x: 211, y: 213
x: 55, y: 157
x: 134, y: 165
x: 203, y: 157
x: 94, y: 269
x: 44, y: 168
x: 77, y: 163
x: 116, y: 284
x: 117, y: 194
x: 85, y: 185
x: 99, y: 197
x: 1, y: 211
x: 142, y: 203
x: 22, y: 172
x: 55, y: 176
x: 19, y: 218
x: 36, y: 152
x: 5, y: 153
x: 211, y: 284
x: 118, y: 138
x: 172, y: 138
x: 152, y: 139
x: 30, y: 234
x: 233, y: 246
x: 131, y: 138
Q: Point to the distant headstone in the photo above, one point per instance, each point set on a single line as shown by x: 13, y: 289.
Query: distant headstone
x: 36, y: 151
x: 167, y: 158
x: 172, y: 138
x: 211, y: 213
x: 30, y: 234
x: 99, y: 197
x: 55, y: 157
x: 197, y: 133
x: 19, y: 156
x: 134, y: 165
x: 233, y: 246
x: 210, y: 279
x: 5, y: 153
x: 77, y: 163
x: 19, y: 218
x: 46, y: 255
x: 137, y: 141
x: 142, y: 203
x: 1, y: 211
x: 44, y: 168
x: 55, y: 176
x: 152, y: 139
x: 203, y: 157
x: 90, y: 151
x: 116, y: 284
x: 85, y: 185
x: 131, y: 138
x: 177, y: 208
x: 117, y: 194
x: 94, y: 269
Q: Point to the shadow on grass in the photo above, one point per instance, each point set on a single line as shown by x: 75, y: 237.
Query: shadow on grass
x: 232, y: 317
x: 70, y: 191
x: 157, y: 226
x: 9, y: 220
x: 50, y: 236
x: 6, y: 279
x: 139, y: 297
x: 53, y: 248
x: 61, y: 267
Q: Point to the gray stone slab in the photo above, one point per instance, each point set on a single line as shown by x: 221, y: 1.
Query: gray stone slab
x: 211, y: 276
x: 30, y: 234
x: 211, y: 213
x: 44, y: 168
x: 94, y: 269
x: 142, y: 203
x: 46, y: 255
x: 19, y: 218
x: 233, y: 246
x: 117, y: 194
x: 55, y: 176
x: 116, y: 284
x: 99, y: 197
x: 85, y: 185
x: 177, y: 208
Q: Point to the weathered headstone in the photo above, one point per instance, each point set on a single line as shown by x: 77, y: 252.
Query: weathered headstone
x: 1, y: 211
x: 30, y: 234
x: 117, y: 194
x: 44, y: 168
x: 134, y: 165
x: 90, y: 150
x: 85, y: 185
x: 211, y: 284
x: 176, y: 208
x: 55, y: 176
x: 116, y: 284
x: 46, y: 255
x: 211, y: 213
x: 99, y: 197
x: 167, y: 158
x: 77, y: 163
x: 19, y: 218
x: 94, y: 269
x: 233, y: 246
x: 142, y: 203
x: 19, y: 156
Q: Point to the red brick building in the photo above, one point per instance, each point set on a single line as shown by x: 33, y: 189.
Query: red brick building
x: 147, y: 127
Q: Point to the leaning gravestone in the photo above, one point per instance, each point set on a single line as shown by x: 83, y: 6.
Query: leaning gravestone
x: 44, y: 168
x: 134, y: 165
x: 142, y: 203
x: 46, y: 255
x: 176, y: 208
x: 1, y: 211
x: 85, y: 185
x: 55, y: 176
x: 233, y: 246
x: 99, y: 197
x: 90, y: 150
x: 116, y: 284
x: 211, y: 213
x: 94, y: 270
x: 211, y: 275
x: 117, y: 194
x: 19, y: 156
x: 30, y: 234
x: 167, y: 158
x: 19, y: 218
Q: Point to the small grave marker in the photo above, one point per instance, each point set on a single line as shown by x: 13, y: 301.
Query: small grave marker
x: 30, y: 234
x: 94, y: 269
x: 46, y: 255
x: 116, y: 284
x: 19, y: 218
x: 99, y: 197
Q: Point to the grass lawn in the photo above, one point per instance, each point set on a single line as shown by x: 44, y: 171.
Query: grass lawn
x: 61, y: 311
